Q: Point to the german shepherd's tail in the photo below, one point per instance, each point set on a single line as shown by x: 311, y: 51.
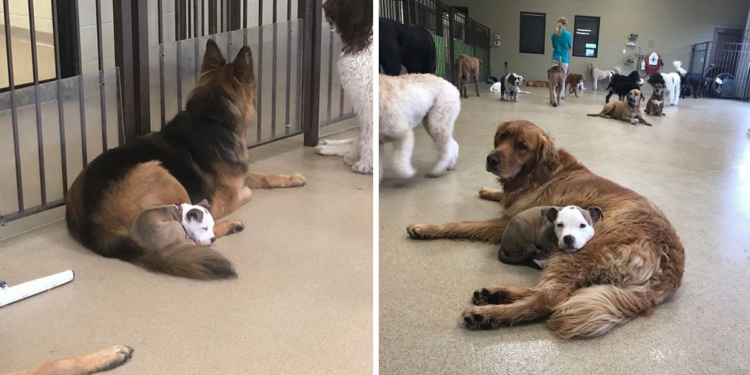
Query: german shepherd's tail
x: 189, y: 261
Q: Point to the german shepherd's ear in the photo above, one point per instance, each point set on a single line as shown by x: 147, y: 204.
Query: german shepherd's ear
x: 243, y: 65
x: 195, y: 214
x: 213, y: 57
x: 204, y: 204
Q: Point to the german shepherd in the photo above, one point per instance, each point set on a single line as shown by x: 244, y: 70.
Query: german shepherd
x: 200, y: 154
x: 103, y: 360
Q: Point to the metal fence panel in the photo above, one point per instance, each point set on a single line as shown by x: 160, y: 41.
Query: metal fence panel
x: 334, y: 104
x: 32, y: 183
x: 725, y: 67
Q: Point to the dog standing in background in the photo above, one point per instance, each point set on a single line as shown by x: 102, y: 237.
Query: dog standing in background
x: 598, y: 74
x: 696, y: 81
x: 410, y: 46
x: 511, y: 85
x: 467, y: 67
x: 573, y: 81
x: 353, y: 22
x: 556, y: 76
x: 672, y: 86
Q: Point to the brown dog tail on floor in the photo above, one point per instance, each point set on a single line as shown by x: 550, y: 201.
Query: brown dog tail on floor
x: 592, y: 114
x: 189, y: 261
x: 594, y: 310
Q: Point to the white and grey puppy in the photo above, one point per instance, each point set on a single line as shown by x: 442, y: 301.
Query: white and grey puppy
x: 511, y: 84
x: 599, y: 74
x: 198, y: 223
x: 574, y: 226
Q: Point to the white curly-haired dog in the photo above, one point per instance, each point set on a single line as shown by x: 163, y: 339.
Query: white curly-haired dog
x: 598, y: 74
x: 353, y: 22
x: 673, y: 85
x: 407, y: 100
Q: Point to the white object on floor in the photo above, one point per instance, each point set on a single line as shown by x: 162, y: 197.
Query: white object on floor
x: 10, y: 294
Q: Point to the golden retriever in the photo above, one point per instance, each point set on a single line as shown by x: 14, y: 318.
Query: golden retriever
x: 634, y: 261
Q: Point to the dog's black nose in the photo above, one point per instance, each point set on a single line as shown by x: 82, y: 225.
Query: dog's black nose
x: 213, y: 239
x: 569, y: 240
x: 493, y: 160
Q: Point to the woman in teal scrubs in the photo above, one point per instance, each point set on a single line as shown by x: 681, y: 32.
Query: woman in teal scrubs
x: 562, y: 43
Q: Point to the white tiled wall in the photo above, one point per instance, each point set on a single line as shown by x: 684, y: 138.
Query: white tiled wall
x: 19, y: 15
x: 87, y: 22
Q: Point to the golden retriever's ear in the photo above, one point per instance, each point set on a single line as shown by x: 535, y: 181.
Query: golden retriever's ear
x: 546, y: 157
x: 500, y: 129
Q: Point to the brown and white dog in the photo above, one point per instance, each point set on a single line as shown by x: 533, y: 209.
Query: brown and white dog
x: 634, y: 261
x: 573, y: 81
x: 556, y: 76
x: 467, y: 68
x: 103, y: 360
x: 628, y: 111
x: 655, y: 104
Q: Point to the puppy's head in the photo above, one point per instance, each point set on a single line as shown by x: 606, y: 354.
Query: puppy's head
x: 198, y: 222
x: 574, y: 226
x: 634, y: 98
x: 659, y: 90
x: 521, y: 149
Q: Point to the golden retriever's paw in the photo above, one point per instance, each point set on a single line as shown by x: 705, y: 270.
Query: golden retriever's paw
x: 490, y: 194
x: 112, y: 357
x: 474, y: 318
x: 418, y: 231
x: 633, y: 122
x: 295, y: 180
x: 486, y: 297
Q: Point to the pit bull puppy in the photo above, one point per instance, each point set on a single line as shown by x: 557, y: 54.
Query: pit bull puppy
x: 164, y: 226
x: 532, y: 236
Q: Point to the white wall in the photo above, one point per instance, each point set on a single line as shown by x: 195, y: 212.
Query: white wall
x: 19, y: 15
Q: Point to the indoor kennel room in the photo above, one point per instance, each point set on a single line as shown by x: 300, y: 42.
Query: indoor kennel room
x: 580, y: 200
x: 134, y: 136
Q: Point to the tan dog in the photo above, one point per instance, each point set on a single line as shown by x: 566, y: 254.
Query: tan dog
x: 537, y: 83
x: 466, y: 68
x: 627, y: 111
x: 572, y: 81
x: 103, y: 360
x: 655, y: 104
x: 556, y: 76
x: 634, y: 261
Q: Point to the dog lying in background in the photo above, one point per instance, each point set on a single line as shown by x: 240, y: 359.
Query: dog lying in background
x: 628, y: 111
x: 511, y: 84
x: 598, y: 74
x: 537, y: 83
x: 174, y: 225
x: 556, y: 76
x: 410, y: 46
x: 533, y: 235
x: 467, y: 67
x: 572, y: 83
x: 622, y: 85
x: 497, y: 87
x: 103, y: 360
x: 353, y: 22
x: 695, y: 81
x: 409, y: 99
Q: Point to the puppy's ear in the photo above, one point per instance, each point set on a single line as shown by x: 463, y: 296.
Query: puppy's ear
x: 596, y: 213
x: 204, y: 204
x: 546, y: 157
x: 550, y: 213
x: 213, y: 57
x: 195, y: 215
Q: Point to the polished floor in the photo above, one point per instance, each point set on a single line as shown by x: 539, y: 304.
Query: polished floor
x: 302, y: 303
x: 694, y: 164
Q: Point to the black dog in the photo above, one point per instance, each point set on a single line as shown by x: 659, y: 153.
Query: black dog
x: 696, y: 82
x: 410, y: 46
x: 622, y: 85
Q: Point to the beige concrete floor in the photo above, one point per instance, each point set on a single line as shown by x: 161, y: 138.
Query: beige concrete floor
x: 694, y: 164
x: 302, y: 303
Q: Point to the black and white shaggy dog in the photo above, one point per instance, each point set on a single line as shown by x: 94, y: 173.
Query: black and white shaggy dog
x: 410, y: 46
x: 696, y: 81
x: 622, y: 85
x: 353, y: 22
x: 510, y: 85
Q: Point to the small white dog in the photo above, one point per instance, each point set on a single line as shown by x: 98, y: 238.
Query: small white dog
x: 497, y: 87
x: 510, y: 86
x: 407, y: 100
x: 673, y: 85
x: 598, y: 74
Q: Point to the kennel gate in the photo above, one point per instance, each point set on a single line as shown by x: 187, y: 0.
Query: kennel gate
x: 725, y: 67
x: 453, y: 32
x: 57, y: 125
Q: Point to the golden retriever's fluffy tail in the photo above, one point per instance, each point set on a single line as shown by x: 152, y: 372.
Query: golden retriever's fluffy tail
x: 595, y: 310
